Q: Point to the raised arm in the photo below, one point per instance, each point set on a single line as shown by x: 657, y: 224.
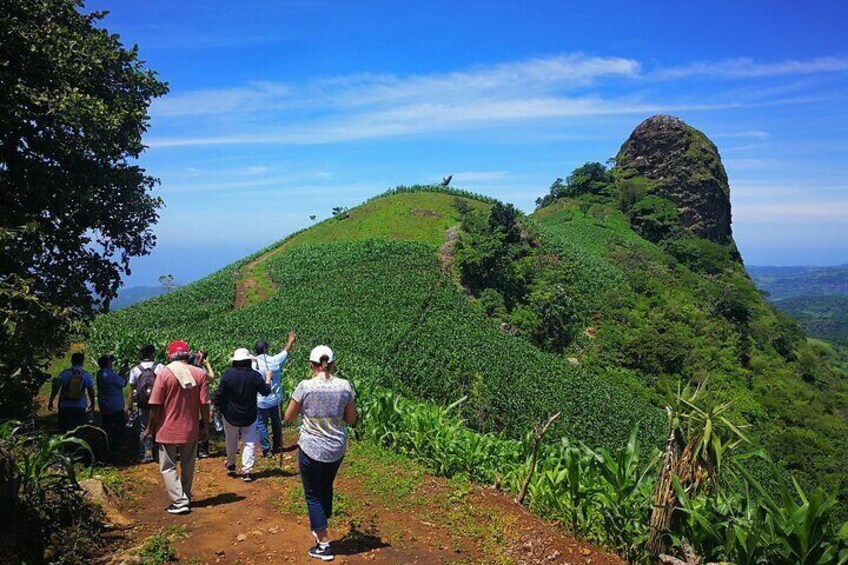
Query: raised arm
x: 290, y: 342
x: 278, y: 360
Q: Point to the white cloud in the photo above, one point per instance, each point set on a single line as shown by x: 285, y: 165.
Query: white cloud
x: 505, y: 80
x: 372, y: 106
x: 748, y: 68
x: 254, y: 96
x: 433, y: 117
x: 791, y: 212
x: 747, y: 134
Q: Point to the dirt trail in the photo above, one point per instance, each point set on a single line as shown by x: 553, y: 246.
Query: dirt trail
x: 387, y: 511
x: 248, y: 288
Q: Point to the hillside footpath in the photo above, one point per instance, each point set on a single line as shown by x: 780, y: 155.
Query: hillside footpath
x: 388, y: 511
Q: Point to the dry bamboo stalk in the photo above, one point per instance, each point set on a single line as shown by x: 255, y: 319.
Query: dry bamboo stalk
x: 538, y: 434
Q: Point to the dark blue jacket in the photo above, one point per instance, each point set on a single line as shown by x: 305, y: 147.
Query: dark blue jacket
x: 236, y: 395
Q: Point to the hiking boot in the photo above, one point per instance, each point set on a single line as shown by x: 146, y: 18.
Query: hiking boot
x: 322, y: 552
x: 266, y: 453
x: 246, y: 477
x: 231, y: 469
x: 174, y: 509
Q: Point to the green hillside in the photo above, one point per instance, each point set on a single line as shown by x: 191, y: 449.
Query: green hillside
x: 597, y: 305
x: 658, y: 321
x: 372, y: 286
x: 662, y: 304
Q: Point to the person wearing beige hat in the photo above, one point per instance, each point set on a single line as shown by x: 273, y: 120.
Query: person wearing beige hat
x: 236, y: 402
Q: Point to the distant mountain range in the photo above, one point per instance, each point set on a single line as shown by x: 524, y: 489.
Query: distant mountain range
x: 133, y: 294
x: 784, y: 282
x: 816, y: 297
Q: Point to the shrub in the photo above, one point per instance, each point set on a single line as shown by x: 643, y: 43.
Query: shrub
x: 701, y: 255
x: 632, y: 190
x: 157, y: 550
x: 655, y: 218
x: 492, y: 302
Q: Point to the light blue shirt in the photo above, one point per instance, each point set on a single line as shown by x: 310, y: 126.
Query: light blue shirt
x: 275, y: 364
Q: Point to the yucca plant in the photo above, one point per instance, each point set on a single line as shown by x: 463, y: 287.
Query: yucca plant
x: 699, y: 441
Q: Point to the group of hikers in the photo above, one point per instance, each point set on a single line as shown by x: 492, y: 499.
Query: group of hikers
x: 175, y: 408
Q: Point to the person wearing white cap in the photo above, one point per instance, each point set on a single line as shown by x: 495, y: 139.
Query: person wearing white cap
x: 326, y: 405
x: 236, y: 401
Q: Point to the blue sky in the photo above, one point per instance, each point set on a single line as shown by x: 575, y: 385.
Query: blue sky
x: 283, y: 109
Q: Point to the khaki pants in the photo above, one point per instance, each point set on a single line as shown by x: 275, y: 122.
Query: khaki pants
x: 179, y: 488
x: 248, y: 439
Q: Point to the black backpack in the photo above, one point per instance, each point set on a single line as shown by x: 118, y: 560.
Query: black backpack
x: 144, y: 385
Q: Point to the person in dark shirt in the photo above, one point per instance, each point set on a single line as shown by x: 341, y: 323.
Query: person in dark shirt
x: 236, y: 401
x: 110, y: 397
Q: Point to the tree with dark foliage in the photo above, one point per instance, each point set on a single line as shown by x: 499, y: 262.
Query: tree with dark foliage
x: 74, y: 205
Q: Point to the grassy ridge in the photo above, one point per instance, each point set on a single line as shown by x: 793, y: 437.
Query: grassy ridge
x: 388, y: 302
x: 407, y: 214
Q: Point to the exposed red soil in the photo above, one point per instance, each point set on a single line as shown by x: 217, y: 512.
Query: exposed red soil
x: 265, y: 521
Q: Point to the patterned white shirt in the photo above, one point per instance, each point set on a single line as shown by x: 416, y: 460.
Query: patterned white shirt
x: 323, y: 432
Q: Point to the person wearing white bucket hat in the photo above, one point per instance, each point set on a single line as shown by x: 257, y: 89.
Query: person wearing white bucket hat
x: 326, y: 405
x: 236, y: 401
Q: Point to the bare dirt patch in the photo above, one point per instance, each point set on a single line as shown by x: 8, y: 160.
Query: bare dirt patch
x: 446, y: 249
x: 425, y: 213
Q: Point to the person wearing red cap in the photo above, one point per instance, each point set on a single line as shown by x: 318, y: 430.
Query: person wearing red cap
x: 179, y: 418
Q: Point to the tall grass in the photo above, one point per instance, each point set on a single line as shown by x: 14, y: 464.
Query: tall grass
x: 45, y: 516
x: 606, y: 495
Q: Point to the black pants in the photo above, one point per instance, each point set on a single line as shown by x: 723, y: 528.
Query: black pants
x: 114, y: 424
x: 318, y: 478
x: 71, y: 418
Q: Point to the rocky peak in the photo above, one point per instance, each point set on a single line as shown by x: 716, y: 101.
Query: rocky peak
x: 685, y: 167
